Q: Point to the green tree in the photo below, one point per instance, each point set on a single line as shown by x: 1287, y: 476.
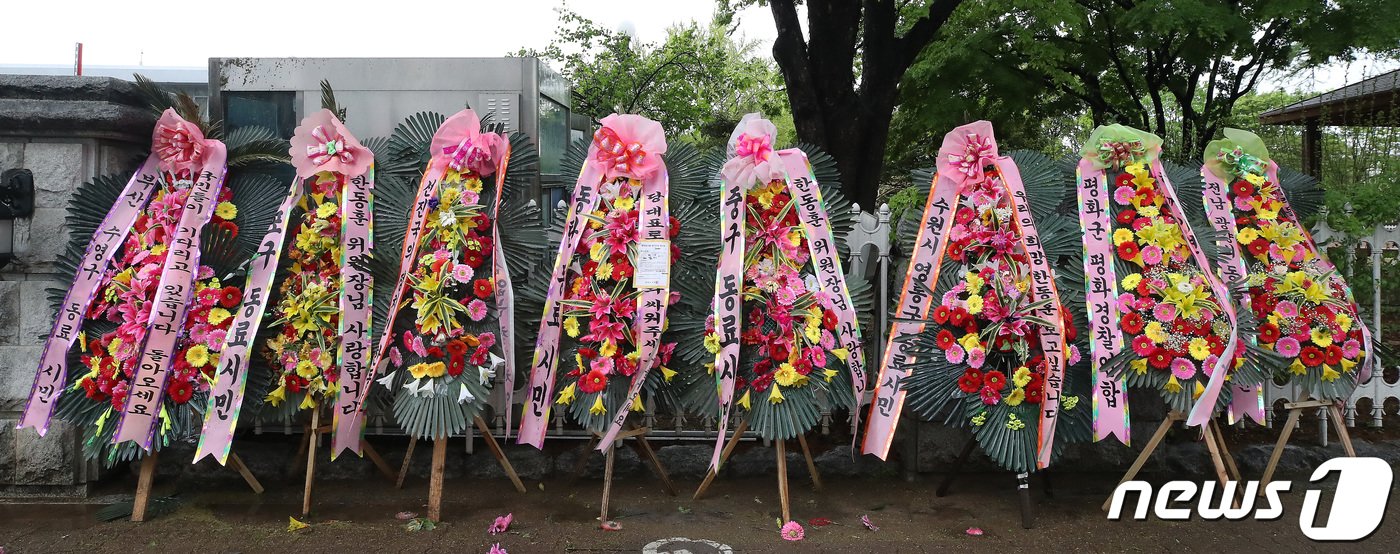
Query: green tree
x: 697, y: 83
x: 1150, y: 63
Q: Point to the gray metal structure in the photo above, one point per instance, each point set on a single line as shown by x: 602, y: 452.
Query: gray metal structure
x: 378, y: 93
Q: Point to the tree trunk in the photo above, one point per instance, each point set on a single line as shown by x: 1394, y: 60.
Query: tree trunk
x: 829, y: 110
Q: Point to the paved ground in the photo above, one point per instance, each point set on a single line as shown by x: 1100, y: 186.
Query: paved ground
x: 555, y: 516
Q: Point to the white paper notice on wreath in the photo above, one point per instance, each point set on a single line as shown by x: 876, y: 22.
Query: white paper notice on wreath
x: 653, y: 267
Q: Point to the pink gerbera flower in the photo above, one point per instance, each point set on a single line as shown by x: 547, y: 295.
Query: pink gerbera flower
x: 476, y: 310
x: 792, y: 531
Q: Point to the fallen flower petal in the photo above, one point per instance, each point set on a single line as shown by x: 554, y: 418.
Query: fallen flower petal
x: 792, y: 531
x: 501, y: 524
x: 496, y: 549
x: 610, y: 525
x: 405, y: 516
x: 868, y: 525
x: 974, y: 531
x: 819, y: 522
x: 293, y: 525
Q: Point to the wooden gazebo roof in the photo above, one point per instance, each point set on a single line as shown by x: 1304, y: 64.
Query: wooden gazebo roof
x: 1362, y: 104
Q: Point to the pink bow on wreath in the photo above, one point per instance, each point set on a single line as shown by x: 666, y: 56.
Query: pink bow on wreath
x: 629, y: 146
x: 321, y: 143
x: 178, y: 143
x: 462, y: 144
x: 967, y: 151
x: 753, y: 159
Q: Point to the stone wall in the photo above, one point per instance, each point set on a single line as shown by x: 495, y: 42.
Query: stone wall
x: 65, y: 130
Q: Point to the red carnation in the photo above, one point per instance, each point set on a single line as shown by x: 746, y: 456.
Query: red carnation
x: 1128, y: 250
x: 1123, y: 180
x: 1132, y: 322
x: 1242, y: 188
x: 941, y: 314
x: 1268, y: 333
x: 456, y: 348
x: 946, y: 339
x: 594, y: 381
x: 1143, y: 345
x: 229, y: 297
x: 959, y: 317
x: 829, y: 320
x: 456, y: 366
x: 970, y: 382
x: 473, y: 259
x: 1127, y: 216
x: 181, y: 391
x: 1259, y: 247
x: 994, y: 379
x: 1312, y: 356
x: 1334, y: 355
x: 1160, y: 358
x: 483, y: 288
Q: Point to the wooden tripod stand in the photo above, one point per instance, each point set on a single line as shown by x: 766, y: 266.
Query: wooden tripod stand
x: 147, y: 478
x: 643, y: 448
x: 1295, y: 410
x: 310, y: 439
x: 435, y: 477
x: 1023, y: 484
x: 1225, y: 468
x: 781, y: 447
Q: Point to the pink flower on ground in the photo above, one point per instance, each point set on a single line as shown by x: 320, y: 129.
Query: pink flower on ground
x: 865, y: 520
x: 496, y: 549
x: 502, y: 524
x: 974, y: 531
x: 792, y: 531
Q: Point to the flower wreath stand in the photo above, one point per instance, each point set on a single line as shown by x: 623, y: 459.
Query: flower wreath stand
x: 784, y: 332
x: 1160, y: 317
x: 1296, y: 302
x: 147, y: 308
x: 984, y: 335
x: 447, y: 336
x: 608, y: 295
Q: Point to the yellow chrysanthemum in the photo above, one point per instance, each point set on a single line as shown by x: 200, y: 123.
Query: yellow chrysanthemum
x: 974, y: 304
x: 1015, y: 398
x: 596, y: 252
x: 607, y: 349
x: 1344, y: 322
x: 1156, y: 332
x: 1322, y: 336
x: 712, y: 343
x: 624, y: 203
x: 226, y: 210
x: 307, y: 370
x: 1021, y: 377
x: 604, y: 271
x: 571, y: 326
x: 326, y: 209
x: 1131, y: 281
x: 788, y: 376
x: 198, y: 355
x: 1199, y: 348
x: 1247, y: 235
x: 218, y: 315
x: 1121, y: 236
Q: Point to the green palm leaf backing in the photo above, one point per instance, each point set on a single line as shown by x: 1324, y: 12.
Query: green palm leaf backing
x: 933, y: 391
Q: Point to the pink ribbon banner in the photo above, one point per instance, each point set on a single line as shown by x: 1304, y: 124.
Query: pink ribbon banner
x: 728, y: 301
x: 356, y: 298
x: 427, y: 188
x: 914, y: 303
x: 505, y: 295
x: 1101, y: 293
x: 817, y: 226
x: 174, y: 293
x: 1245, y: 400
x: 1052, y: 342
x: 655, y: 212
x: 1204, y: 407
x: 231, y: 376
x: 52, y: 375
x: 534, y: 421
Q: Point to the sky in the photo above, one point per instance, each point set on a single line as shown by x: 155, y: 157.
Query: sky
x: 116, y: 33
x: 170, y: 33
